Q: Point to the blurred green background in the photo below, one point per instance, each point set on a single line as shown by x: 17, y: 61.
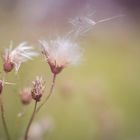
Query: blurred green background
x: 97, y: 100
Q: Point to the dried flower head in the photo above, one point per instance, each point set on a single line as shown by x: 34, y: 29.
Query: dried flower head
x: 14, y: 57
x: 59, y: 53
x: 38, y: 88
x: 25, y: 96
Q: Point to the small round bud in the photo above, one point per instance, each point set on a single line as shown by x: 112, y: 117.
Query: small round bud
x: 25, y: 96
x: 8, y: 66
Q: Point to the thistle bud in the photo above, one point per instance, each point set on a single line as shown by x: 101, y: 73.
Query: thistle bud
x: 38, y: 88
x: 25, y: 96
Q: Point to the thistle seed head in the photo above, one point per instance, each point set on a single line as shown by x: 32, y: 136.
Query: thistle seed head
x: 60, y: 52
x: 13, y: 58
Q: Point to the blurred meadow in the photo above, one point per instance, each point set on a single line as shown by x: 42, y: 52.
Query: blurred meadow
x: 98, y: 99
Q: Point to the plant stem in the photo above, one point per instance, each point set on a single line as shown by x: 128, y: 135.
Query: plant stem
x: 30, y: 122
x: 3, y: 120
x: 50, y: 92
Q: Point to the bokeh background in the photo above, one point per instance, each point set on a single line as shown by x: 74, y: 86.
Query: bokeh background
x: 96, y: 100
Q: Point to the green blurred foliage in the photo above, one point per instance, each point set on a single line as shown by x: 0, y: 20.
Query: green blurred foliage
x: 98, y: 99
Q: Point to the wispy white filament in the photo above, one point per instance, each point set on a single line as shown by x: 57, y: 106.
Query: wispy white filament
x: 83, y: 24
x: 61, y: 51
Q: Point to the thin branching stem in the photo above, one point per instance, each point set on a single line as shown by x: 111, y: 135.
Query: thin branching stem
x: 3, y: 119
x: 48, y: 96
x: 30, y: 122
